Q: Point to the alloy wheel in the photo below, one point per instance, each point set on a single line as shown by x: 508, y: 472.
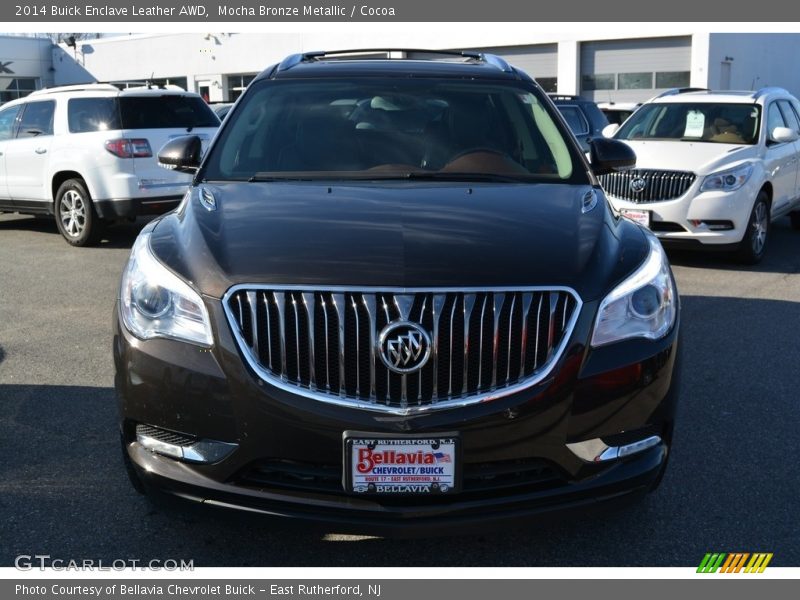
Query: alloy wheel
x: 759, y: 225
x: 73, y: 213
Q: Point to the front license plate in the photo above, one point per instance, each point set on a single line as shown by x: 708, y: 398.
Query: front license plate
x: 400, y: 464
x: 638, y: 216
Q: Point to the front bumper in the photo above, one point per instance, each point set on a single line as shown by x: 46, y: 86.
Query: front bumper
x: 709, y: 219
x: 606, y: 393
x: 134, y: 207
x: 622, y: 482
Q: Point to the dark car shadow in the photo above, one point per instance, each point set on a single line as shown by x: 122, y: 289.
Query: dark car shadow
x: 117, y: 235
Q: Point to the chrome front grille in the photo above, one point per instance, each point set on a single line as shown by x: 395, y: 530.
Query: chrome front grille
x: 323, y: 344
x: 658, y: 185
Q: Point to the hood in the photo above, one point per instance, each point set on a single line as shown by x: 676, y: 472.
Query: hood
x: 397, y: 234
x: 700, y: 158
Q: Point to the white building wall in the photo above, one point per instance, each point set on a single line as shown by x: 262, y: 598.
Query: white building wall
x: 699, y: 60
x: 756, y: 60
x: 208, y: 57
x: 27, y: 57
x: 569, y: 68
x: 646, y: 58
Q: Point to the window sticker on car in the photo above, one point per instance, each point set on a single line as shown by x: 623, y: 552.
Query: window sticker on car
x: 695, y: 124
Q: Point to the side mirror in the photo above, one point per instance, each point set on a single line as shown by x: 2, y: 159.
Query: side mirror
x: 610, y: 130
x: 181, y: 154
x: 610, y: 155
x: 783, y: 135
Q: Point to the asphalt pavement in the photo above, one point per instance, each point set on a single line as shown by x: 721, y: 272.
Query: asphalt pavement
x: 732, y: 485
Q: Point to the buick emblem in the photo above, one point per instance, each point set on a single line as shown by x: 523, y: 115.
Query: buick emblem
x: 404, y: 347
x: 638, y: 184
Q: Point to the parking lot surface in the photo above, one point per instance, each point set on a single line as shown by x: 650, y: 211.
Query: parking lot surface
x: 732, y: 484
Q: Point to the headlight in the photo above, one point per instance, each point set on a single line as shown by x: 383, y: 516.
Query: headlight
x: 644, y: 305
x: 727, y: 181
x: 157, y: 303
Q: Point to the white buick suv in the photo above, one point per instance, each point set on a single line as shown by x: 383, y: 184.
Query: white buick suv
x: 713, y: 168
x: 86, y: 154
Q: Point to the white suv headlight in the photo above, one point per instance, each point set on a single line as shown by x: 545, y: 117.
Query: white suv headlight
x: 644, y: 305
x: 728, y: 180
x: 156, y: 303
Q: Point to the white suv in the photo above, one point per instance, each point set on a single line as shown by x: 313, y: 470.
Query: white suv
x: 87, y: 153
x: 713, y: 168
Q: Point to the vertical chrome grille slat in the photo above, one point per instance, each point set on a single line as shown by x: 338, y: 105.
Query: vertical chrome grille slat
x: 438, y: 304
x: 311, y: 327
x: 252, y: 303
x: 480, y: 343
x: 280, y: 303
x: 450, y: 345
x: 296, y: 334
x: 403, y: 390
x: 309, y: 303
x: 419, y: 375
x: 403, y: 304
x: 370, y: 307
x: 338, y: 305
x: 327, y: 361
x: 265, y: 300
x: 527, y: 299
x: 499, y: 299
x: 552, y: 322
x: 354, y: 306
x: 388, y: 315
x: 510, y: 331
x: 538, y: 330
x: 469, y: 304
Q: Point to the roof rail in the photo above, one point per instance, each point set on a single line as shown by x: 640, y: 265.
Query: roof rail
x: 681, y: 90
x: 127, y: 84
x: 768, y: 89
x: 491, y: 59
x: 89, y: 87
x: 497, y: 61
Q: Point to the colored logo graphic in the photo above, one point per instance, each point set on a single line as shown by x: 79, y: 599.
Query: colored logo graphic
x: 739, y: 562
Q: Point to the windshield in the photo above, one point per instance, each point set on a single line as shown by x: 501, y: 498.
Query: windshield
x: 388, y: 128
x: 720, y: 123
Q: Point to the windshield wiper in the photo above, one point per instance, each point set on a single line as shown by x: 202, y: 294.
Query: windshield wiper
x: 466, y: 177
x: 406, y: 176
x: 269, y: 178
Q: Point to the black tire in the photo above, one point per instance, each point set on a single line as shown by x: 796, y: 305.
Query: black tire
x: 75, y: 215
x: 754, y: 243
x: 794, y: 216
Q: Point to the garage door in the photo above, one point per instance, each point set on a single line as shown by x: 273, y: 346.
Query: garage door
x: 540, y: 61
x: 634, y: 70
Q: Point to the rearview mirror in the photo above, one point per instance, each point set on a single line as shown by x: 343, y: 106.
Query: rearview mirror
x: 181, y: 154
x: 784, y: 135
x: 610, y: 129
x: 610, y: 155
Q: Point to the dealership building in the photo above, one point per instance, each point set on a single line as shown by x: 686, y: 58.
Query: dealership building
x: 603, y: 68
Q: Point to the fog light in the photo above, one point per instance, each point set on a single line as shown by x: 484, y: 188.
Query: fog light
x: 182, y: 447
x: 596, y: 450
x: 719, y: 225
